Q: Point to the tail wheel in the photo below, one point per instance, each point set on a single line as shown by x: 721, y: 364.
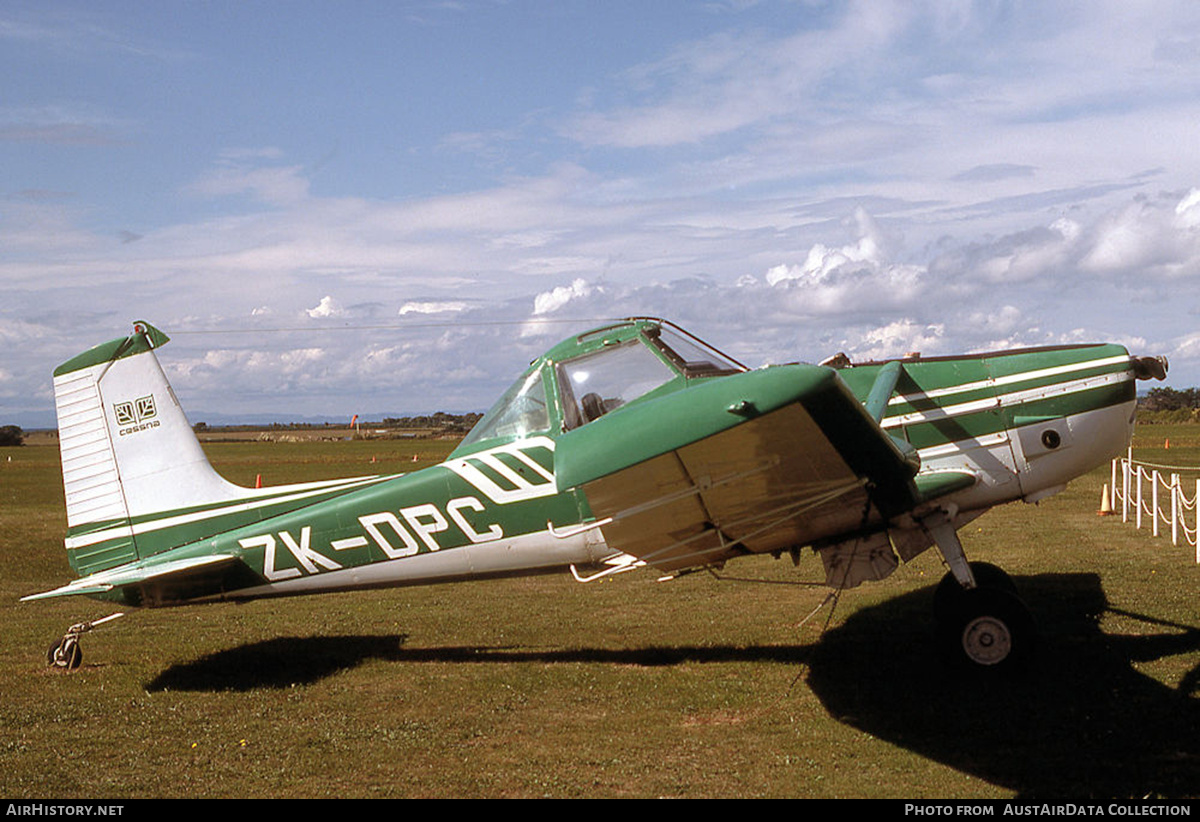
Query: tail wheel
x: 991, y: 630
x: 65, y: 653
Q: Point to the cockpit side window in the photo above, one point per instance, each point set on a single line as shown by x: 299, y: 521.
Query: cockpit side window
x: 693, y: 357
x: 597, y: 383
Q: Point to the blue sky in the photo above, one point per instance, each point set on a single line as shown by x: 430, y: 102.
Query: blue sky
x: 339, y: 208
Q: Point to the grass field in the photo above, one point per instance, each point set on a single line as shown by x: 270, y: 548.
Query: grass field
x: 623, y: 688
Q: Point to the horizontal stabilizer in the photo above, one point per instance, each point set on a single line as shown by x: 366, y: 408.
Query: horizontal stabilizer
x: 137, y: 573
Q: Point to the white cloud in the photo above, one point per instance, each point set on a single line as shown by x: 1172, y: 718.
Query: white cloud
x: 1187, y: 212
x: 328, y: 307
x: 550, y: 301
x: 1030, y: 254
x: 432, y: 307
x: 998, y: 320
x: 1156, y: 237
x: 276, y: 185
x: 737, y: 79
x: 821, y: 261
x: 901, y: 338
x: 852, y: 277
x: 15, y: 332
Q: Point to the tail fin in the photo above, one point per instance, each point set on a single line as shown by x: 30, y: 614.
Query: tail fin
x: 128, y: 452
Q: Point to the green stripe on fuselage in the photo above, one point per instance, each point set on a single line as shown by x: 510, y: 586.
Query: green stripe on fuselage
x: 940, y: 401
x: 400, y: 517
x: 101, y: 545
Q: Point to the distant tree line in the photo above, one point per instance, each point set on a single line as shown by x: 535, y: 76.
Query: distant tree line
x: 447, y: 422
x: 441, y: 420
x: 1170, y: 399
x: 1170, y: 405
x: 11, y: 435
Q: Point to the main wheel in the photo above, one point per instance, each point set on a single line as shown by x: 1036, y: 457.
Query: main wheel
x: 65, y: 654
x: 991, y: 630
x: 949, y: 593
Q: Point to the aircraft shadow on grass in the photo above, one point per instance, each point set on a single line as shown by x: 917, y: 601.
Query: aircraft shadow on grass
x: 1081, y: 722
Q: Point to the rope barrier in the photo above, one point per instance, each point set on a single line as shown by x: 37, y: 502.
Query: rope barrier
x: 1127, y: 490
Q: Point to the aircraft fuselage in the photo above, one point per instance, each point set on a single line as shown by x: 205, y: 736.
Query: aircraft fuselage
x: 984, y: 430
x: 1023, y: 423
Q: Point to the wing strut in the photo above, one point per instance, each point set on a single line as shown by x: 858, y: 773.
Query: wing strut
x: 881, y: 390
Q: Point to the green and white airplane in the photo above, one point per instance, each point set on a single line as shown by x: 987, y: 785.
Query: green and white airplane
x: 630, y: 445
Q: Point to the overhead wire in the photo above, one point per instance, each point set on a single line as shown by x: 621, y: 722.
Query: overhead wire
x: 396, y: 327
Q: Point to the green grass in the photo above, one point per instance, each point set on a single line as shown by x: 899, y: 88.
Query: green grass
x: 621, y: 688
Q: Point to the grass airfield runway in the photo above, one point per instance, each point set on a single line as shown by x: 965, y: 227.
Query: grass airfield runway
x: 621, y: 688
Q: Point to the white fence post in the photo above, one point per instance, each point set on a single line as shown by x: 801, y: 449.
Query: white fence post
x: 1125, y: 486
x: 1175, y: 509
x: 1125, y: 489
x: 1138, y: 512
x: 1112, y: 486
x: 1154, y: 502
x: 1132, y: 472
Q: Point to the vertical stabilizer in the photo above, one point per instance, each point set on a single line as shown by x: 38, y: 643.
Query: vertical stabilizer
x: 128, y: 452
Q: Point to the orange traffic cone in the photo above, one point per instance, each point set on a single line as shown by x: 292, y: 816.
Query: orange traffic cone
x: 258, y: 480
x: 1105, y: 504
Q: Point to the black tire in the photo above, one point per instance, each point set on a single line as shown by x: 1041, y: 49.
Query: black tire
x: 991, y: 631
x: 65, y: 653
x: 948, y: 595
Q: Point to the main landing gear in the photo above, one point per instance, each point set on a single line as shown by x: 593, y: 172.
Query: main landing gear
x: 987, y: 626
x: 66, y: 653
x: 982, y: 623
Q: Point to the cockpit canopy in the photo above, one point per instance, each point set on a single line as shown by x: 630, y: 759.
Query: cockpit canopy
x: 585, y: 377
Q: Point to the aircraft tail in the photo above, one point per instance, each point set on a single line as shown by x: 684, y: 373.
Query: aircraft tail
x: 129, y: 455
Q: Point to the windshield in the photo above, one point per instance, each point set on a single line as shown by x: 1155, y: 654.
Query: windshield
x: 521, y: 411
x: 594, y: 384
x: 624, y: 362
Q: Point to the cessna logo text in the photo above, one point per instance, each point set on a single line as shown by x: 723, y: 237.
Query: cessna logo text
x: 138, y: 415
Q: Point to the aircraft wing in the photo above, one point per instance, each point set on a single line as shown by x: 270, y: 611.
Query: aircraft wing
x: 766, y: 460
